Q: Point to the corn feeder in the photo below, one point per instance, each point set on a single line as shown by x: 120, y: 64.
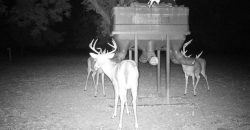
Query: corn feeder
x: 160, y: 28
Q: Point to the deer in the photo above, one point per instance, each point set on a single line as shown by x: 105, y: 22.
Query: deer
x: 91, y: 62
x: 198, y: 67
x: 124, y: 75
x: 151, y: 2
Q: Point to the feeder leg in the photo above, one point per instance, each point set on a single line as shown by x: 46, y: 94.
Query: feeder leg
x: 136, y: 59
x: 136, y: 49
x: 159, y: 70
x: 167, y: 68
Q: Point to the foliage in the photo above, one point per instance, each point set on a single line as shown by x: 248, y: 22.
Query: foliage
x: 104, y: 9
x: 82, y: 29
x: 52, y: 38
x: 2, y: 7
x: 37, y: 15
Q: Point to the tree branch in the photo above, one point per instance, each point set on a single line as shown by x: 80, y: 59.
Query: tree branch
x: 100, y: 11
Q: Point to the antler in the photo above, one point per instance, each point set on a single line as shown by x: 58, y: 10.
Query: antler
x: 92, y: 47
x: 113, y: 46
x: 183, y: 51
x: 100, y: 49
x: 197, y: 56
x: 104, y: 51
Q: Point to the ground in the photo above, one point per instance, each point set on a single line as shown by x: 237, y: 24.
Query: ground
x: 47, y: 93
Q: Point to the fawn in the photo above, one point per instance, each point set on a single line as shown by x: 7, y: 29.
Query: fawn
x: 124, y: 75
x: 194, y: 70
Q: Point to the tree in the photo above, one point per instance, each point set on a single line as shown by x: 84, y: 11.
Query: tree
x: 32, y: 22
x: 104, y: 9
x: 2, y: 7
x: 37, y: 15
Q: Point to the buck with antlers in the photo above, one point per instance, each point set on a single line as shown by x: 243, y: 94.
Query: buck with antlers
x: 124, y: 76
x: 199, y: 66
x: 91, y: 63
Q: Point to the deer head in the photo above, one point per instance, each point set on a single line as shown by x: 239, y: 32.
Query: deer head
x: 102, y: 56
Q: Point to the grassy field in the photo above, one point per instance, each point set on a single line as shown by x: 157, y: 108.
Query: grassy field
x: 46, y: 93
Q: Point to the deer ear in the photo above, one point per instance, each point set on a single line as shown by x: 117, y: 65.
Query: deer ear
x: 93, y: 55
x: 111, y: 55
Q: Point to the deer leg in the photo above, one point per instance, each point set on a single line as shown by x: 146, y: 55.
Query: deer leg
x: 193, y: 78
x: 103, y: 88
x: 123, y: 97
x: 96, y: 84
x: 85, y: 88
x: 126, y: 103
x: 134, y: 95
x: 93, y: 76
x: 116, y: 100
x: 205, y: 76
x: 186, y: 84
x: 197, y: 80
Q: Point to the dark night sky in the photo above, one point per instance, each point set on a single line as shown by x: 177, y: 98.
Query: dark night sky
x: 219, y: 24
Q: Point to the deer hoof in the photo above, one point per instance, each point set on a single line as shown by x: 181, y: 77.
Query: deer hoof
x: 120, y: 127
x: 136, y: 126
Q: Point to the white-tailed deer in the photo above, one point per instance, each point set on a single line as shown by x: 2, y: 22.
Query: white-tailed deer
x: 199, y: 66
x: 124, y: 76
x: 91, y: 63
x: 151, y: 2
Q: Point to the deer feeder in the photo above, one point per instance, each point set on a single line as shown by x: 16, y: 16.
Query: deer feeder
x: 162, y: 27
